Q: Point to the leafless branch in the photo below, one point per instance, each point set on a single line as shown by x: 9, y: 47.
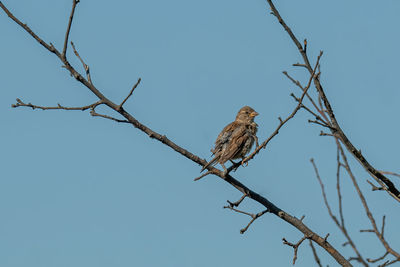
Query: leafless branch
x: 317, y: 117
x: 319, y: 123
x: 294, y: 246
x: 130, y: 93
x: 95, y: 114
x: 378, y: 176
x: 299, y: 65
x: 340, y: 202
x: 314, y: 251
x: 164, y: 140
x: 237, y: 203
x: 297, y: 83
x: 20, y: 103
x: 341, y: 225
x: 253, y: 216
x: 86, y: 67
x: 365, y: 205
x: 387, y: 263
x: 390, y: 173
x: 203, y: 175
x: 264, y: 144
x: 64, y: 53
x: 374, y: 187
x: 378, y: 259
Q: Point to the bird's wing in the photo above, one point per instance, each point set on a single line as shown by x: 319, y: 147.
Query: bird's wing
x: 236, y: 144
x: 224, y: 137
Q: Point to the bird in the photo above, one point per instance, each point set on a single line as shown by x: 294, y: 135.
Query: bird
x: 236, y: 139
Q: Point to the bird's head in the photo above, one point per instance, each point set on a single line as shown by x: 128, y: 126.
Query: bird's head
x: 246, y: 115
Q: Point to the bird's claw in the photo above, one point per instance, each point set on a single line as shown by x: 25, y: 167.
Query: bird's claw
x: 244, y: 163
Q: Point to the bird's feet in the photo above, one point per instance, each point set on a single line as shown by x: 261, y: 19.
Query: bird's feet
x: 244, y: 163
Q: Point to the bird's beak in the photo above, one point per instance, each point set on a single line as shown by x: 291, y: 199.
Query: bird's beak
x: 253, y: 114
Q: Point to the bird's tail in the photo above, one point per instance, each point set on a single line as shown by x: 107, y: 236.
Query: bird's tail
x: 210, y: 163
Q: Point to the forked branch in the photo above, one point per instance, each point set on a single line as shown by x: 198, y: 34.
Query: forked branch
x: 270, y: 207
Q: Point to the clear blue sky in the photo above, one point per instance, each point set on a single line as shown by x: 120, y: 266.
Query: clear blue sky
x: 82, y: 191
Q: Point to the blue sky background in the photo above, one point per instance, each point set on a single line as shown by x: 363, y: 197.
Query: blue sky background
x: 82, y: 191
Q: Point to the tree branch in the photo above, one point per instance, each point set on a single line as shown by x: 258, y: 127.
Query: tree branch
x: 64, y: 53
x: 378, y: 176
x: 130, y: 93
x: 164, y: 140
x: 294, y: 246
x: 341, y: 226
x: 30, y: 105
x: 365, y: 205
x: 283, y: 122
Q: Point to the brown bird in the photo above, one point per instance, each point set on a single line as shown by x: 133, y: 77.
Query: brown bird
x: 236, y: 139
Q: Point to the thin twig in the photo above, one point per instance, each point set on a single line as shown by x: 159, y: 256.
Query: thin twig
x: 365, y: 205
x: 243, y: 230
x: 297, y: 83
x: 319, y: 123
x: 294, y: 246
x: 71, y: 16
x: 314, y: 251
x: 237, y: 203
x: 390, y: 173
x: 299, y: 65
x: 378, y: 259
x: 340, y: 202
x: 374, y: 187
x: 85, y: 66
x: 203, y: 175
x: 253, y: 216
x: 20, y: 103
x: 26, y: 28
x: 264, y: 144
x: 317, y: 117
x: 130, y: 93
x: 341, y: 226
x: 95, y: 114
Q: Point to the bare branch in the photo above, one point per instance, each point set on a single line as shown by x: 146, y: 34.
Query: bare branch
x: 237, y: 203
x: 264, y: 144
x: 294, y: 246
x: 341, y: 225
x: 374, y: 187
x: 203, y: 175
x: 253, y: 216
x: 239, y: 211
x: 297, y: 83
x: 383, y: 225
x: 71, y: 16
x: 390, y: 173
x: 319, y: 123
x: 95, y: 114
x: 314, y: 251
x: 30, y: 105
x: 365, y: 205
x: 86, y: 67
x: 299, y: 65
x: 164, y: 140
x: 378, y: 259
x: 340, y: 202
x: 130, y: 93
x: 378, y: 176
x: 317, y: 117
x: 26, y: 28
x: 243, y: 230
